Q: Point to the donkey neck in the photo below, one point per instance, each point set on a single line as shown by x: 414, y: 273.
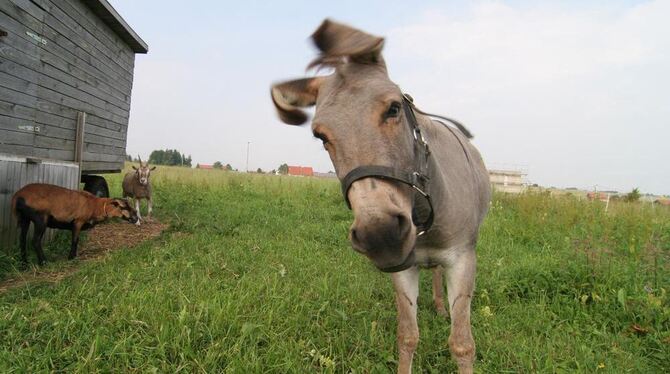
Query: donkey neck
x: 452, y: 173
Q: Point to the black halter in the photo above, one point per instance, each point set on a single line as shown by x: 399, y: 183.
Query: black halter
x: 418, y: 178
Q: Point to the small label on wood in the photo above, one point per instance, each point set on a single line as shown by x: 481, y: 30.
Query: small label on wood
x: 37, y: 38
x: 29, y: 128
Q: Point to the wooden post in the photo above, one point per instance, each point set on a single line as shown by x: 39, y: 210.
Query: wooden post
x: 79, y: 142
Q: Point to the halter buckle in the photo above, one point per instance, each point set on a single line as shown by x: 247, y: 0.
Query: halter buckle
x: 418, y: 137
x: 419, y: 180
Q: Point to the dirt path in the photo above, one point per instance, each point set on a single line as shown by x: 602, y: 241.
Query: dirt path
x: 99, y: 241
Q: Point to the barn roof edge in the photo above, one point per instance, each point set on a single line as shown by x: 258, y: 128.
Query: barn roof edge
x: 109, y: 15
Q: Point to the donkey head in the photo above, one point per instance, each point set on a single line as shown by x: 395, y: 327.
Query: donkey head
x: 360, y: 120
x: 143, y: 172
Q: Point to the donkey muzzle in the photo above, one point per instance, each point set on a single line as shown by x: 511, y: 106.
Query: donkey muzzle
x: 386, y: 239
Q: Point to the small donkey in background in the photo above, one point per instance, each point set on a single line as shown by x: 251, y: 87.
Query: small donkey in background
x: 136, y: 185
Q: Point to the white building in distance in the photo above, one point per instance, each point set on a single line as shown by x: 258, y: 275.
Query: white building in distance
x: 507, y: 180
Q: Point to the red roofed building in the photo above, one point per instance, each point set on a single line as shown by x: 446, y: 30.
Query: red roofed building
x: 602, y: 196
x: 205, y: 166
x: 304, y: 171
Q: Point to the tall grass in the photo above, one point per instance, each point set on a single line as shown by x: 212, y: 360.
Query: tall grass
x: 255, y: 275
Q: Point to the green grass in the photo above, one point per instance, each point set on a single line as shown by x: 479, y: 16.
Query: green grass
x: 255, y: 274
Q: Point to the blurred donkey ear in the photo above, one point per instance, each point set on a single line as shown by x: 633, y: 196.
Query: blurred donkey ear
x: 336, y: 41
x: 289, y: 96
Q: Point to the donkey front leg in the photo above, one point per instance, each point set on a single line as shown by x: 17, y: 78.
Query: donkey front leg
x: 438, y: 291
x: 406, y: 285
x: 460, y: 287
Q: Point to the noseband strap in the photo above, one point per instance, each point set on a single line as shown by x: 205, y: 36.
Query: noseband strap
x: 417, y: 178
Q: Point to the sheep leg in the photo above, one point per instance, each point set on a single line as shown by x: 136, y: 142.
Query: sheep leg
x: 149, y: 208
x: 40, y: 228
x: 24, y: 223
x: 76, y: 230
x: 137, y: 208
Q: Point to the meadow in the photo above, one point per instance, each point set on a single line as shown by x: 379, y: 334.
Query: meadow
x: 255, y: 274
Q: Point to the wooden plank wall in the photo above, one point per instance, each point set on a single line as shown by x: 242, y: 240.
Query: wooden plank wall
x: 57, y: 59
x: 16, y: 173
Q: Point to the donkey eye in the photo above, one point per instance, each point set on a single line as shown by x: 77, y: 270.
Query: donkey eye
x: 394, y: 110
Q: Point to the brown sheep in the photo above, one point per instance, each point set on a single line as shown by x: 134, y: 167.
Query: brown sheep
x: 56, y: 207
x: 136, y: 185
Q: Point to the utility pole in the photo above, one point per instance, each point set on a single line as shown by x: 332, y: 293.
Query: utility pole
x: 248, y: 156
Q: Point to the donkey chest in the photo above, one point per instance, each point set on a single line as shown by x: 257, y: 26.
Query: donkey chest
x: 428, y: 257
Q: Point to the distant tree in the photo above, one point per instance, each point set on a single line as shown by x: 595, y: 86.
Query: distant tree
x: 283, y: 169
x: 129, y: 158
x: 273, y: 171
x: 218, y: 165
x: 633, y: 195
x: 259, y: 171
x: 169, y: 157
x: 228, y: 167
x: 197, y: 166
x: 175, y: 158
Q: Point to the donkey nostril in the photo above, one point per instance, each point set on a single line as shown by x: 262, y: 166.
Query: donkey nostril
x: 403, y: 226
x: 353, y: 235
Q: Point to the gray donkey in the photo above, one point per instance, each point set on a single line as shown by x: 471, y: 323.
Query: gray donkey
x: 136, y: 185
x: 418, y: 188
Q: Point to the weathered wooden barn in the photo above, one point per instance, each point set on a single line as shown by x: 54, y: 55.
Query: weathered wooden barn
x: 66, y: 75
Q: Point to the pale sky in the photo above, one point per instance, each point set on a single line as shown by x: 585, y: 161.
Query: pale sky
x: 577, y: 93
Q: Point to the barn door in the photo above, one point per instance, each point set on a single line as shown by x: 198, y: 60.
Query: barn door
x: 21, y: 23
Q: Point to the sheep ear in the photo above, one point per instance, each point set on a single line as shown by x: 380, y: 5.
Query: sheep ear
x: 336, y: 41
x: 134, y: 167
x: 153, y: 168
x: 289, y: 96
